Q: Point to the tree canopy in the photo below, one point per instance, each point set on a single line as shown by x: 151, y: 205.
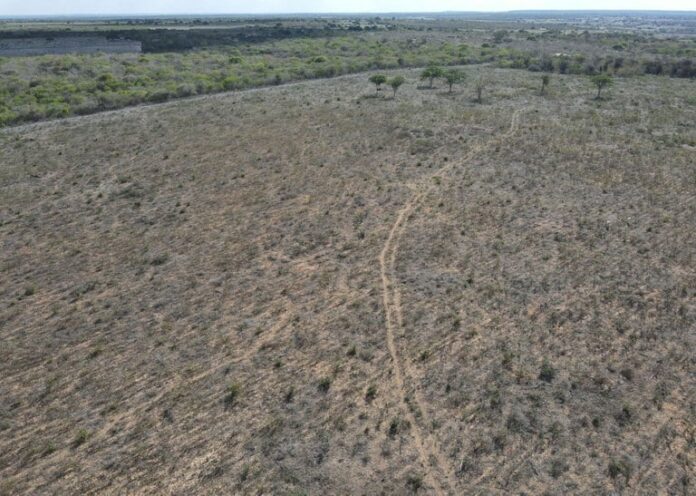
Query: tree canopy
x: 431, y: 73
x: 396, y: 83
x: 453, y: 76
x: 602, y: 81
x: 378, y: 80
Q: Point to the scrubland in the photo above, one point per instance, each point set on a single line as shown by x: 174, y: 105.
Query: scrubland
x: 308, y: 289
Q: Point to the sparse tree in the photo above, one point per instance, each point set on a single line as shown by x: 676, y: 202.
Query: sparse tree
x: 431, y: 73
x: 396, y: 83
x: 480, y: 85
x: 452, y: 77
x: 378, y: 80
x: 545, y: 79
x: 601, y: 81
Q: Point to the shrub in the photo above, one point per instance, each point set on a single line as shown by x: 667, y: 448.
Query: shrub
x: 184, y: 90
x: 371, y: 393
x: 563, y: 65
x: 7, y: 117
x: 158, y: 96
x: 231, y: 394
x: 547, y: 372
x: 324, y: 384
x: 480, y: 85
x: 415, y: 482
x: 289, y: 395
x: 394, y: 427
x: 545, y: 79
x: 619, y: 467
x: 80, y: 438
x: 558, y: 468
x: 231, y: 83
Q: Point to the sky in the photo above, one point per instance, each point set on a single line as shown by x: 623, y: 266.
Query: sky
x: 68, y: 7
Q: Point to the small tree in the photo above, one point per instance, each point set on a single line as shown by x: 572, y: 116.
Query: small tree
x: 480, y: 85
x: 601, y: 81
x: 500, y: 35
x: 378, y: 80
x: 431, y: 73
x: 452, y: 77
x: 396, y: 83
x: 545, y: 79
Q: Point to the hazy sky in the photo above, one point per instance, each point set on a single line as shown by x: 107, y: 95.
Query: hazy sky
x: 58, y: 7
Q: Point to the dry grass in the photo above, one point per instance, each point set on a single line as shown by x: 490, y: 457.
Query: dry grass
x: 191, y: 298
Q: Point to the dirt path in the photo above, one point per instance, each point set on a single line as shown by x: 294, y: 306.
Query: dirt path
x: 430, y: 454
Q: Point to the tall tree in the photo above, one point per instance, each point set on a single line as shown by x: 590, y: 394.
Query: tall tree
x: 602, y: 81
x: 453, y: 76
x: 431, y: 73
x: 396, y: 83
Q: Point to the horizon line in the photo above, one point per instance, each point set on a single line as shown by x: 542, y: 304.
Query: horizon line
x: 339, y: 13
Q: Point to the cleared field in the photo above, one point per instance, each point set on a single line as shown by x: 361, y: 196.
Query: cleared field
x: 308, y: 290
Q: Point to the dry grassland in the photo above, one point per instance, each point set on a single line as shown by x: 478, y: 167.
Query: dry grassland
x: 304, y: 290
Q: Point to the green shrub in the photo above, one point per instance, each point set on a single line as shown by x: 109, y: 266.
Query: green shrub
x: 619, y: 467
x: 80, y: 438
x: 371, y: 393
x: 231, y: 83
x: 547, y: 372
x: 158, y: 96
x: 324, y: 384
x: 8, y: 117
x: 231, y: 394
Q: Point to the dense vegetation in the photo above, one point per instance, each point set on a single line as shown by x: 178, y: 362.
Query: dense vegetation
x: 169, y: 40
x: 56, y: 86
x: 35, y: 88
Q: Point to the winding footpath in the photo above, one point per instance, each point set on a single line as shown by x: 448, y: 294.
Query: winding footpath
x: 431, y: 455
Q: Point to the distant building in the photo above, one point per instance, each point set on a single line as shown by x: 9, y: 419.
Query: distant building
x: 19, y: 47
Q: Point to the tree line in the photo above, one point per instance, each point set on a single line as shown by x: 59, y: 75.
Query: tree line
x: 453, y: 76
